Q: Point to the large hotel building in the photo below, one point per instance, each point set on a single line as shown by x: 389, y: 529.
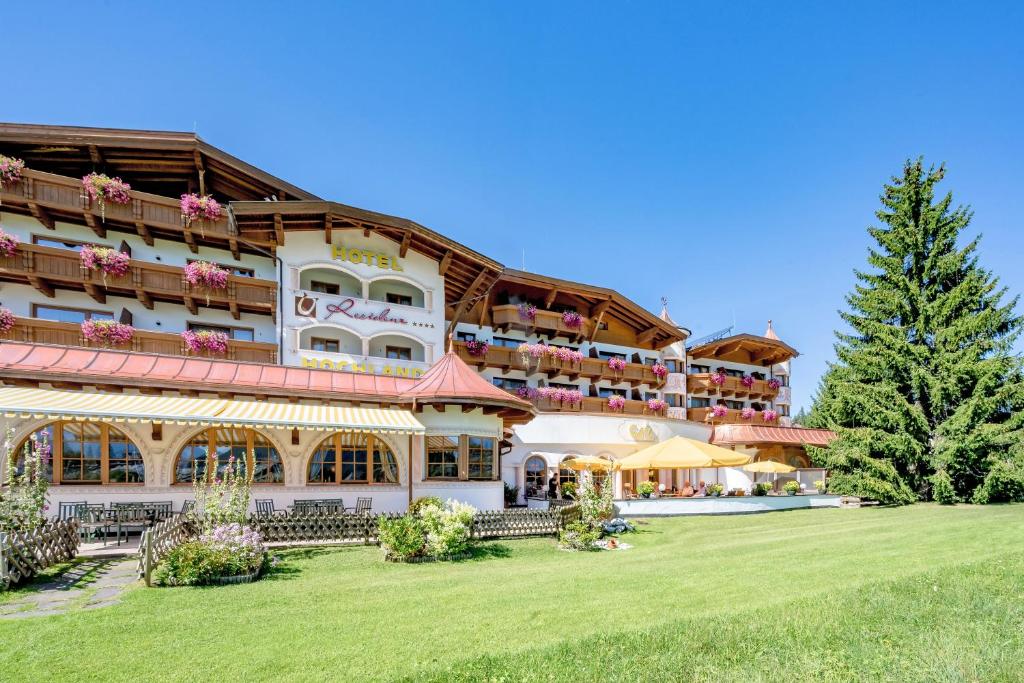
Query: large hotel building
x: 365, y: 355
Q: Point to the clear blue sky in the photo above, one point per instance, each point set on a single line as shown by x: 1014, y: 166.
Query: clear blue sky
x: 727, y: 158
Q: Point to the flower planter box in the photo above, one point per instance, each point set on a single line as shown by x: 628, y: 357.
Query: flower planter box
x: 429, y: 558
x: 231, y: 580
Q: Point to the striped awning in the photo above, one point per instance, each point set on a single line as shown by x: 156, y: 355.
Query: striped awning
x: 74, y: 405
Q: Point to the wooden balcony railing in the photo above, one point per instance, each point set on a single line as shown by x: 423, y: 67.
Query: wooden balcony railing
x: 48, y: 197
x: 731, y: 417
x: 46, y: 268
x: 34, y: 330
x: 546, y: 323
x: 593, y: 404
x: 507, y: 358
x: 733, y: 386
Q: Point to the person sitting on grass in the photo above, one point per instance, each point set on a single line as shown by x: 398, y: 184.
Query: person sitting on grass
x: 688, y: 490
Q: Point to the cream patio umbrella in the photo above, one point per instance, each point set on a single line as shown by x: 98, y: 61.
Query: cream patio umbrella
x: 681, y: 453
x: 587, y: 462
x: 768, y: 466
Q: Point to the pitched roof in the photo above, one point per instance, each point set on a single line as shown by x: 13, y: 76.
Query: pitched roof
x: 799, y: 436
x: 450, y: 380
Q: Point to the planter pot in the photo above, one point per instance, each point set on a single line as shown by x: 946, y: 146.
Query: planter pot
x: 645, y: 495
x: 241, y: 578
x: 790, y: 493
x: 429, y: 558
x: 716, y: 494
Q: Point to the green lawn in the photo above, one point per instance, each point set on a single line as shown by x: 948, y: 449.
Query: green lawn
x: 918, y: 593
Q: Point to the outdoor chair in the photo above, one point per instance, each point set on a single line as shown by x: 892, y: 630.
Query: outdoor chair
x: 131, y: 517
x: 93, y: 519
x: 265, y: 507
x: 69, y: 510
x: 364, y: 506
x: 188, y: 506
x: 331, y: 505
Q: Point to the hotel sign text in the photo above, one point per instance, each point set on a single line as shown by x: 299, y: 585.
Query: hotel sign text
x: 367, y: 257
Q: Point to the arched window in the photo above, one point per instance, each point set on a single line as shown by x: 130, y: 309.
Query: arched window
x: 536, y: 475
x: 566, y: 473
x: 216, y: 445
x: 89, y: 453
x: 352, y: 459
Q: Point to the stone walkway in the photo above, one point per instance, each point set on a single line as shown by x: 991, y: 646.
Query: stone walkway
x: 90, y: 584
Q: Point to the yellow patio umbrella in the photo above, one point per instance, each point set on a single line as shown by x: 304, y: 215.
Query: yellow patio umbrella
x: 680, y: 453
x: 768, y: 466
x: 587, y: 462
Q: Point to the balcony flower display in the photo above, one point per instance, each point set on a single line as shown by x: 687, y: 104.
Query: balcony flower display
x: 104, y: 259
x: 100, y: 188
x: 719, y: 411
x: 616, y: 402
x: 528, y: 351
x: 616, y: 364
x: 10, y: 170
x: 572, y: 320
x: 660, y: 371
x: 477, y: 349
x: 107, y: 332
x: 8, y: 243
x: 570, y: 397
x: 205, y: 340
x: 207, y: 275
x: 747, y: 381
x: 769, y: 415
x: 7, y: 320
x: 774, y: 384
x: 193, y: 206
x: 718, y: 377
x: 747, y: 413
x: 527, y: 313
x: 528, y: 393
x: 656, y: 405
x: 566, y: 355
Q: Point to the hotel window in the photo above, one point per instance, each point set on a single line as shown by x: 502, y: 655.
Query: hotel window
x: 398, y: 352
x: 57, y: 243
x: 68, y: 315
x: 699, y: 402
x: 214, y: 447
x: 400, y: 299
x: 508, y: 384
x: 783, y: 410
x: 442, y: 457
x: 324, y: 287
x: 734, y: 405
x: 672, y: 364
x: 783, y: 380
x: 605, y: 355
x: 88, y: 453
x: 352, y: 459
x: 465, y: 336
x: 480, y: 455
x: 536, y: 471
x: 605, y: 392
x: 506, y: 342
x: 236, y: 333
x: 233, y: 270
x: 733, y: 373
x: 698, y: 369
x: 323, y: 344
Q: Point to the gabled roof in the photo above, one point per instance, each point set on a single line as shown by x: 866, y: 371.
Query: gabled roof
x: 451, y: 381
x: 745, y: 348
x: 162, y: 162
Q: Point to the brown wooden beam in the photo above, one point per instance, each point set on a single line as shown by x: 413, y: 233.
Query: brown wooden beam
x: 406, y: 240
x: 278, y: 229
x: 190, y: 304
x: 95, y: 292
x: 41, y: 285
x: 442, y: 267
x: 550, y: 298
x: 328, y: 228
x: 42, y: 215
x: 144, y: 298
x: 598, y: 314
x: 466, y: 298
x: 647, y: 335
x: 144, y: 233
x: 97, y: 226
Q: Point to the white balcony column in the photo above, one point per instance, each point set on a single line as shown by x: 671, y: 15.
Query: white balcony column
x: 366, y: 290
x: 366, y: 345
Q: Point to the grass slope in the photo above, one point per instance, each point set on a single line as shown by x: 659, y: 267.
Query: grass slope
x: 918, y: 593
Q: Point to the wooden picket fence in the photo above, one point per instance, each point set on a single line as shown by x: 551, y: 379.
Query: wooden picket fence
x: 24, y: 554
x: 334, y: 527
x: 160, y: 539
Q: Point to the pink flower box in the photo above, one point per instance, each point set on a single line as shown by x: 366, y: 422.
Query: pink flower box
x: 769, y: 415
x: 193, y: 206
x: 100, y: 188
x: 527, y: 313
x: 7, y: 320
x: 572, y: 320
x: 107, y: 332
x: 477, y: 349
x: 774, y: 384
x: 747, y: 413
x: 106, y: 260
x: 205, y: 340
x: 718, y: 378
x: 616, y: 402
x: 616, y: 364
x: 719, y: 411
x: 10, y: 170
x: 747, y: 381
x: 656, y: 405
x: 659, y: 370
x: 8, y: 244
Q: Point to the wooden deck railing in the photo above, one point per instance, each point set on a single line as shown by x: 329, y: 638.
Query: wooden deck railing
x: 48, y: 267
x: 594, y: 404
x: 48, y: 197
x: 546, y: 323
x: 35, y: 330
x: 507, y: 358
x: 732, y: 416
x: 733, y: 386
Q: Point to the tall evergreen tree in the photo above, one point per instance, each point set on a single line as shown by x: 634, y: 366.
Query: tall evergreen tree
x: 926, y: 380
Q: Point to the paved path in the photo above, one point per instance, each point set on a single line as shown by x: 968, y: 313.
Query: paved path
x: 90, y: 584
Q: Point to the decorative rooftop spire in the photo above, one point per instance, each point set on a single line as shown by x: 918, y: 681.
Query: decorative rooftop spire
x: 770, y: 332
x: 664, y: 313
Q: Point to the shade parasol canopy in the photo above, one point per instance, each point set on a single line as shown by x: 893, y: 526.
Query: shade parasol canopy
x: 680, y: 452
x: 587, y: 462
x: 768, y: 466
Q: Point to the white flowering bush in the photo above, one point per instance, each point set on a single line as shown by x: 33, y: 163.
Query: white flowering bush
x: 433, y: 530
x: 225, y: 551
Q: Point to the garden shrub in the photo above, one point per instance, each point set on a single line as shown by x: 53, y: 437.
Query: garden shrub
x: 1004, y: 483
x: 762, y: 488
x: 511, y: 494
x: 791, y: 486
x: 440, y: 530
x: 569, y: 490
x: 228, y: 550
x: 578, y: 536
x: 401, y: 538
x: 942, y: 489
x: 645, y: 488
x: 713, y: 489
x: 414, y: 507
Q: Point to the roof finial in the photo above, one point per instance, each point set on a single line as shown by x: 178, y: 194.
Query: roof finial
x: 451, y: 341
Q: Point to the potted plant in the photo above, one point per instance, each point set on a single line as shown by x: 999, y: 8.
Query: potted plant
x: 715, y: 490
x: 791, y: 487
x: 769, y: 415
x: 820, y: 486
x: 572, y: 320
x: 645, y: 489
x: 747, y: 381
x: 762, y: 488
x: 660, y: 371
x: 10, y: 170
x: 98, y: 187
x: 7, y: 320
x: 719, y: 410
x: 104, y: 259
x: 8, y: 243
x: 656, y: 405
x: 527, y: 313
x: 207, y: 275
x: 616, y: 402
x: 511, y: 494
x: 193, y: 206
x: 616, y: 364
x: 477, y: 349
x: 107, y: 332
x: 718, y: 378
x: 774, y: 384
x: 205, y: 341
x: 569, y: 490
x: 747, y: 413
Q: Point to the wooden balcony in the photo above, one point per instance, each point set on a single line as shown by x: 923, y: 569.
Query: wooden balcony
x: 38, y: 331
x: 595, y: 405
x: 701, y: 383
x: 732, y: 417
x: 506, y: 359
x: 50, y: 268
x: 51, y: 197
x: 546, y: 324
